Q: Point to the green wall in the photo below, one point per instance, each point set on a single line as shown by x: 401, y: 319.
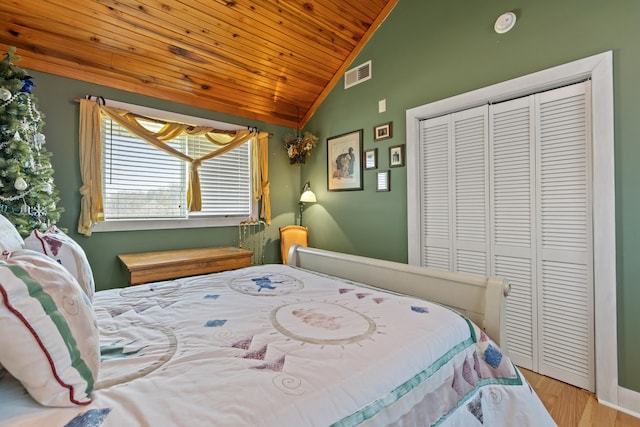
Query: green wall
x: 55, y: 96
x: 426, y: 51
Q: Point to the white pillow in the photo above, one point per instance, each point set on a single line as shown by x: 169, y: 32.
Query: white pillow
x: 10, y: 239
x: 66, y: 251
x: 49, y: 340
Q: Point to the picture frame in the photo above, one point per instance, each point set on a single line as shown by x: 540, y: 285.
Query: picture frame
x: 383, y: 131
x: 344, y: 161
x: 371, y: 159
x: 396, y: 156
x: 382, y: 181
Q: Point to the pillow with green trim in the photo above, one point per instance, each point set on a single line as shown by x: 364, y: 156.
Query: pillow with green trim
x: 10, y: 239
x: 49, y: 340
x: 66, y: 251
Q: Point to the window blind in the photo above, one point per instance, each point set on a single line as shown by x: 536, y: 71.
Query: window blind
x: 225, y: 180
x: 143, y: 182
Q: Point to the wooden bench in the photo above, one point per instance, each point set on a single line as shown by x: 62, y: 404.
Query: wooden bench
x: 145, y: 267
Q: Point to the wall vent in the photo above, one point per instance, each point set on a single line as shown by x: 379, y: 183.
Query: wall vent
x: 357, y: 75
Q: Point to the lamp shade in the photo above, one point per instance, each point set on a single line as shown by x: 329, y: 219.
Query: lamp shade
x: 308, y: 197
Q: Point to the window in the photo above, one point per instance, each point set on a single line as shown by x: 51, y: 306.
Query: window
x: 146, y: 188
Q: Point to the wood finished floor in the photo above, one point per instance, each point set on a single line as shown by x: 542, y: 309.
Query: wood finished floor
x: 572, y: 407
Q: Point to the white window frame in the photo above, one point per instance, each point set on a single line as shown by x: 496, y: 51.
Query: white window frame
x: 159, y: 223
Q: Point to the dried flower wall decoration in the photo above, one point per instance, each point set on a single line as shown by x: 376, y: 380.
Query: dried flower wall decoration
x: 299, y: 147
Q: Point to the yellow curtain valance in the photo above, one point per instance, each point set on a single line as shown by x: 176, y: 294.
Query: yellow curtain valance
x: 222, y: 142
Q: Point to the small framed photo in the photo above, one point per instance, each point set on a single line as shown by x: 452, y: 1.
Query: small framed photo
x: 344, y: 161
x: 371, y: 158
x: 382, y: 131
x: 382, y: 181
x: 396, y: 156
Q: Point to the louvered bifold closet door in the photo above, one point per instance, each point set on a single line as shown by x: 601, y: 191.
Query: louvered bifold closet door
x: 512, y: 154
x: 470, y: 192
x: 506, y: 191
x: 435, y: 219
x: 565, y: 267
x: 454, y: 188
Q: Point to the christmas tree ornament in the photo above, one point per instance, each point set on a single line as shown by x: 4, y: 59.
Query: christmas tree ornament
x: 39, y: 210
x: 27, y: 84
x: 20, y: 184
x: 47, y: 188
x: 5, y: 94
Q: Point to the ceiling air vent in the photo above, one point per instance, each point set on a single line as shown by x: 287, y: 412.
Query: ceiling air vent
x: 357, y: 75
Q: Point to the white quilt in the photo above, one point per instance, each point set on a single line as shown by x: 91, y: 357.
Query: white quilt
x: 278, y: 346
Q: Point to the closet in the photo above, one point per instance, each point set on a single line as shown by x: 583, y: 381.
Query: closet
x: 506, y: 189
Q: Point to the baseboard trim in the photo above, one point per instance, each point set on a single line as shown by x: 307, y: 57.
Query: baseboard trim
x: 628, y: 402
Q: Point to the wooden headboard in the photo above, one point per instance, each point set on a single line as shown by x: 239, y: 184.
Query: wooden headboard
x: 481, y: 299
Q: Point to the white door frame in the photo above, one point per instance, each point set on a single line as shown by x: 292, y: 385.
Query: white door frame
x: 598, y: 68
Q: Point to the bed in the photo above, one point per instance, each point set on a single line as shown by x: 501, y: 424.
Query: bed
x: 328, y: 340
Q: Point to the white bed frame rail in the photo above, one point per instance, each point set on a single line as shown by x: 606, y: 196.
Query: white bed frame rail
x: 481, y: 299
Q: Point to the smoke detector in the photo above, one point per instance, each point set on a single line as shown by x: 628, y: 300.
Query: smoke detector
x: 505, y: 22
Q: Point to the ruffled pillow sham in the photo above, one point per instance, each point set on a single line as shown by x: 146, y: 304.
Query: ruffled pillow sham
x: 49, y: 340
x: 66, y: 251
x: 10, y: 239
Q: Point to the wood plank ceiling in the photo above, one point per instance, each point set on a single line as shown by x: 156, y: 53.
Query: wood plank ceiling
x: 273, y: 61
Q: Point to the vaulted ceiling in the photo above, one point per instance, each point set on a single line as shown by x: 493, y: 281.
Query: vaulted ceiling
x: 273, y: 61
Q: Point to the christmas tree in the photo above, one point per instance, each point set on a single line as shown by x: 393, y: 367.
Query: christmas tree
x: 28, y: 197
